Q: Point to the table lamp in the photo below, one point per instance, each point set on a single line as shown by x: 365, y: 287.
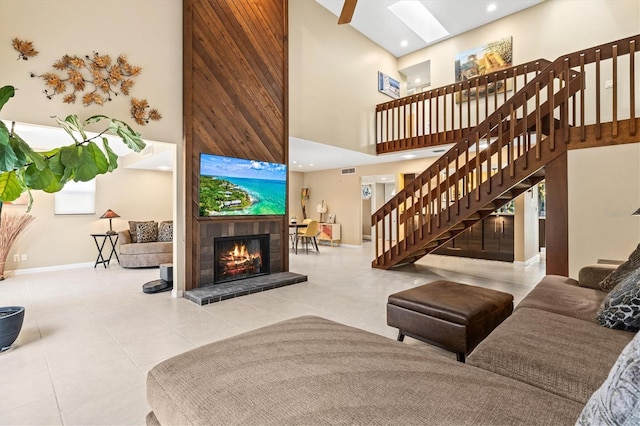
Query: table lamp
x: 109, y: 214
x: 321, y: 208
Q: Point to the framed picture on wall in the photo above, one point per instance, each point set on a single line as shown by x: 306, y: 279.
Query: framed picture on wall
x: 481, y: 60
x: 388, y: 85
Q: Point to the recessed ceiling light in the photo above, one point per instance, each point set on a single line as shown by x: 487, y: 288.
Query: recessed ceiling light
x: 294, y: 162
x: 417, y: 80
x: 491, y: 7
x: 311, y: 164
x: 408, y: 156
x: 404, y: 43
x: 164, y: 167
x: 384, y: 178
x: 416, y: 16
x: 299, y: 165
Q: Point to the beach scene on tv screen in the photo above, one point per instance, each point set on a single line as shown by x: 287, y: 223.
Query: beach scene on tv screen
x: 238, y: 187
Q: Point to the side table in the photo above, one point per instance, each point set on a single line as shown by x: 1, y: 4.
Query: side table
x: 101, y: 240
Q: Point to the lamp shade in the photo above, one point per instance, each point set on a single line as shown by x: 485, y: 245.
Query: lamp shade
x: 109, y: 214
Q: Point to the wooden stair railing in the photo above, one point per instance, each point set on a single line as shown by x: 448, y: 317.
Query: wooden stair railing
x: 439, y: 116
x: 554, y: 110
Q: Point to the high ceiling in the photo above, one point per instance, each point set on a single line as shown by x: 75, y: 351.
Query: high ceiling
x: 374, y: 19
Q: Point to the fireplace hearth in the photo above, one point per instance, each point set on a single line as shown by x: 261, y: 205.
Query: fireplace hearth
x: 208, y: 288
x: 240, y: 257
x: 218, y: 292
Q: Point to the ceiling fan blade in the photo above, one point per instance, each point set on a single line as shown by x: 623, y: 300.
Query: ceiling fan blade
x: 348, y: 8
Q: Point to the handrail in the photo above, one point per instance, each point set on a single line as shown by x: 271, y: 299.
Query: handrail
x: 531, y: 127
x: 432, y: 118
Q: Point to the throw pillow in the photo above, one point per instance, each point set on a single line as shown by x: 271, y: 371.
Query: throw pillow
x: 133, y: 230
x: 621, y: 271
x: 617, y: 401
x: 147, y: 232
x: 620, y: 309
x: 165, y: 231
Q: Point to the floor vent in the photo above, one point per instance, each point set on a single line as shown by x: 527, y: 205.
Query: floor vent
x: 349, y: 171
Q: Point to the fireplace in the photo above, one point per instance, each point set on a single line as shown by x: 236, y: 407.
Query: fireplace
x: 240, y: 257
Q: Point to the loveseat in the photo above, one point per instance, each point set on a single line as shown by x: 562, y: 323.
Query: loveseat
x: 540, y: 366
x: 146, y: 244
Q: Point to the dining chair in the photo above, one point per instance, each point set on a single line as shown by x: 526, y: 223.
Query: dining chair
x: 309, y: 235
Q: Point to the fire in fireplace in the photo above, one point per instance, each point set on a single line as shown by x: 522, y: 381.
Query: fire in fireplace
x: 240, y: 257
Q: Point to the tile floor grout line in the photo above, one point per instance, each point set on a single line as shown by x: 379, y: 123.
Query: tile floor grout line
x: 46, y: 357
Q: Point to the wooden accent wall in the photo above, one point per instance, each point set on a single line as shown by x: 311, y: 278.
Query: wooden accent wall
x: 235, y: 102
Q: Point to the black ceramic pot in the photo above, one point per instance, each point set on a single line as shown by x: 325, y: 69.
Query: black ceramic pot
x: 11, y: 318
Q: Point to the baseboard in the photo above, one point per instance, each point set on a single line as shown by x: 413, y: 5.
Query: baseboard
x: 530, y: 261
x: 50, y: 268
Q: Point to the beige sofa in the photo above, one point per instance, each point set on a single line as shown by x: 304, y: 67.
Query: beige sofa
x: 540, y: 366
x: 142, y: 255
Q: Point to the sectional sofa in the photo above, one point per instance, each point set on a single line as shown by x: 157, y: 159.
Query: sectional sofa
x: 540, y: 366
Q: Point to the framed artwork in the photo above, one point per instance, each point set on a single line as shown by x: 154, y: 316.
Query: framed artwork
x: 388, y: 85
x: 482, y: 60
x: 332, y: 218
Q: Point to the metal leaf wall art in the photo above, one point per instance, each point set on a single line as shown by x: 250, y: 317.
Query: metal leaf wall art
x: 93, y: 79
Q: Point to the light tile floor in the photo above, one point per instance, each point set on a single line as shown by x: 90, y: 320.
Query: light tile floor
x: 90, y: 335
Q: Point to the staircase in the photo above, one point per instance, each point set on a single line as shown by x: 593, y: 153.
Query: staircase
x: 501, y: 142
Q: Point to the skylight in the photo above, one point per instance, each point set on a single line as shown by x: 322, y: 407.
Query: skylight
x: 416, y: 16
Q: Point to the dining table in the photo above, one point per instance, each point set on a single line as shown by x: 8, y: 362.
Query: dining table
x: 296, y: 227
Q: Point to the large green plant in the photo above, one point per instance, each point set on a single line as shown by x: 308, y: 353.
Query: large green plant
x: 22, y: 169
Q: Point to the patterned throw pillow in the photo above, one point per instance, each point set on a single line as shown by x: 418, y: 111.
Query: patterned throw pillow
x: 147, y: 232
x: 617, y: 401
x: 621, y: 308
x: 621, y: 271
x: 165, y: 231
x: 133, y: 229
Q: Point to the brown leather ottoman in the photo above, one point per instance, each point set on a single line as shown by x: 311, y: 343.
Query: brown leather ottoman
x: 450, y: 315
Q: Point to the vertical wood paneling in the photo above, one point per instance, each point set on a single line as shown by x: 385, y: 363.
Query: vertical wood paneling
x: 235, y: 101
x: 557, y: 222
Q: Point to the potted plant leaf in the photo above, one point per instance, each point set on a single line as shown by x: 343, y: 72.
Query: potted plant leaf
x: 24, y: 170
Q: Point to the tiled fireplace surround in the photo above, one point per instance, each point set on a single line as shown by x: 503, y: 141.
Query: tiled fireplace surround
x: 207, y: 292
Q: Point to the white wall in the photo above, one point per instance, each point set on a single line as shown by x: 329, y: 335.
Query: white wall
x: 604, y: 189
x: 149, y: 33
x: 296, y: 183
x: 526, y: 228
x: 333, y: 72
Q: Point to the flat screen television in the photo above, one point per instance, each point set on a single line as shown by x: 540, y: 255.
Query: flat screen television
x: 238, y: 187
